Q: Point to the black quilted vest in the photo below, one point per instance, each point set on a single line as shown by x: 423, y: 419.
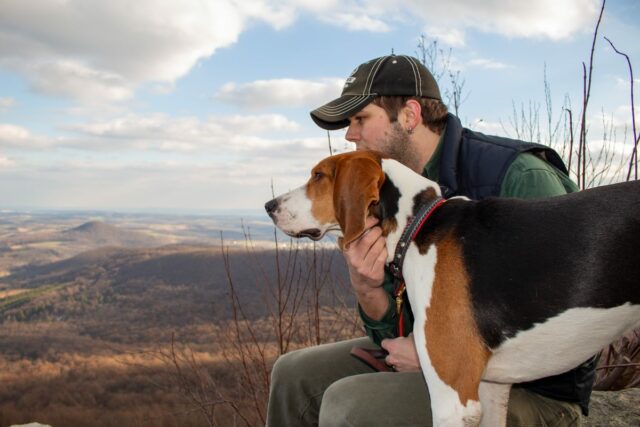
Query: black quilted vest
x: 474, y: 165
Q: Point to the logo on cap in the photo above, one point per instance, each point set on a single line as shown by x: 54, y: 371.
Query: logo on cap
x: 349, y: 81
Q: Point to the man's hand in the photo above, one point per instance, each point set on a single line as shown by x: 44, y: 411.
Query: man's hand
x: 402, y: 354
x: 365, y: 258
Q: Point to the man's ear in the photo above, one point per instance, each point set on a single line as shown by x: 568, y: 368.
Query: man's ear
x: 357, y: 186
x: 412, y: 114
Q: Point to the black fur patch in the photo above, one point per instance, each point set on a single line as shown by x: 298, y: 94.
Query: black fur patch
x: 389, y: 197
x: 530, y: 260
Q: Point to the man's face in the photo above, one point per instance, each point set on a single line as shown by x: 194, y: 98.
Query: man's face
x: 371, y: 129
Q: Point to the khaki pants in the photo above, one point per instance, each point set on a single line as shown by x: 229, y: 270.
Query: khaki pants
x: 326, y: 386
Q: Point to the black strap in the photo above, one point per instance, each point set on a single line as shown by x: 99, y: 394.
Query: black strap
x: 408, y: 234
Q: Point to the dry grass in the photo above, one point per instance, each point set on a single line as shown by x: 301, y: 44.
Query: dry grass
x: 619, y: 365
x: 10, y: 292
x: 56, y: 376
x: 104, y: 391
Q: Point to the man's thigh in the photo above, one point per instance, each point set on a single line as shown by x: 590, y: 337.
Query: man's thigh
x: 379, y: 399
x: 402, y: 399
x: 300, y: 378
x: 528, y: 409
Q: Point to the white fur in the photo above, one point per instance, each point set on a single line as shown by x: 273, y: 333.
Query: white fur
x: 573, y: 337
x: 446, y: 408
x: 419, y: 274
x: 494, y: 398
x: 409, y: 184
x: 294, y: 212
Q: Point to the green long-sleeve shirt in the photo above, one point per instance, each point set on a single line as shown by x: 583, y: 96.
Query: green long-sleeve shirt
x: 527, y: 177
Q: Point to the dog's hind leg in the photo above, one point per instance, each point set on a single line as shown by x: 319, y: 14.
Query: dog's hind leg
x: 494, y: 398
x: 453, y: 355
x: 453, y: 391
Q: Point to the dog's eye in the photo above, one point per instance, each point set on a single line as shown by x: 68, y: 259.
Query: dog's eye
x: 317, y: 176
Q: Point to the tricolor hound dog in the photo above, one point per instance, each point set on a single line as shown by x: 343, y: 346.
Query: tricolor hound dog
x: 503, y: 290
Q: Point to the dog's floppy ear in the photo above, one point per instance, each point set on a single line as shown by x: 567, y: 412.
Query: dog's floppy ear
x: 357, y: 185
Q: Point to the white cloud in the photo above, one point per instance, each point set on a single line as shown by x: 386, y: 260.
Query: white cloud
x: 17, y: 136
x: 624, y: 82
x: 487, y: 63
x: 95, y: 51
x: 279, y: 14
x: 263, y: 94
x: 207, y: 186
x: 5, y: 162
x: 258, y: 124
x: 353, y: 15
x: 186, y: 128
x: 70, y: 78
x: 317, y: 7
x: 358, y: 22
x: 616, y: 125
x: 194, y: 163
x: 236, y: 173
x: 11, y: 133
x: 448, y: 20
x: 543, y: 18
x: 490, y: 128
x: 450, y: 36
x: 161, y: 133
x: 6, y: 103
x: 103, y: 50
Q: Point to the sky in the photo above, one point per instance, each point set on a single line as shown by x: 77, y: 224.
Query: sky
x: 203, y: 106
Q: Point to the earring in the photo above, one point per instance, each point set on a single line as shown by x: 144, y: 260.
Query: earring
x: 410, y: 131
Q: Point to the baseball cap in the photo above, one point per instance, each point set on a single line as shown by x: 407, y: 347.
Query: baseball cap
x: 392, y: 75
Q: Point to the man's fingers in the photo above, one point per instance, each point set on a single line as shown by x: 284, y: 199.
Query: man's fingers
x: 361, y: 246
x: 377, y: 251
x: 370, y: 221
x: 363, y: 257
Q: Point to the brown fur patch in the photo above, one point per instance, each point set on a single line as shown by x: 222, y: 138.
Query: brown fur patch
x: 389, y: 225
x: 455, y: 347
x: 429, y: 233
x: 358, y: 178
x: 320, y: 191
x: 422, y: 198
x: 342, y: 189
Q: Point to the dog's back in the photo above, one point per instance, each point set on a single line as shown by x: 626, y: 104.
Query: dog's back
x: 544, y: 271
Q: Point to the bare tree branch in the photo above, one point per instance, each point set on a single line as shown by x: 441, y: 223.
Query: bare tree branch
x: 633, y: 162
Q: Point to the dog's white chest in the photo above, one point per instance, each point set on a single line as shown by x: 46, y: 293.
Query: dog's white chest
x: 419, y: 274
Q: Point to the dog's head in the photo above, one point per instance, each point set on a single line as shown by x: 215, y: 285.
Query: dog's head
x: 341, y: 192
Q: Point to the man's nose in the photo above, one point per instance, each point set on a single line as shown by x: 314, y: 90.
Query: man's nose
x: 352, y: 135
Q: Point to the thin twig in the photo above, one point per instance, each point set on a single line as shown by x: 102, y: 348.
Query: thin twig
x: 636, y: 138
x: 587, y: 78
x: 617, y: 365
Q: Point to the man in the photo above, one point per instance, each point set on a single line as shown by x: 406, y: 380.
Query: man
x: 392, y: 104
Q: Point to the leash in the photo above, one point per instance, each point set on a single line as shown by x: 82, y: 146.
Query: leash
x: 408, y: 235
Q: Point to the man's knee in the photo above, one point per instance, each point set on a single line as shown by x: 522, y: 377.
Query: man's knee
x: 280, y: 366
x: 292, y: 399
x: 299, y: 372
x: 343, y: 404
x: 286, y: 368
x: 294, y: 364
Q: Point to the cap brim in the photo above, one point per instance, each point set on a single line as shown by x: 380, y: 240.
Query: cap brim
x: 335, y: 114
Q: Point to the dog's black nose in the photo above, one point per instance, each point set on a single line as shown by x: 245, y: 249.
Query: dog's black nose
x: 271, y: 206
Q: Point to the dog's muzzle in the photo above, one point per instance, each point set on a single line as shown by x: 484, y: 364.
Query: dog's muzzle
x: 273, y: 208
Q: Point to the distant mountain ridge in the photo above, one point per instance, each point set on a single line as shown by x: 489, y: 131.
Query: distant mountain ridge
x: 122, y: 294
x: 103, y: 234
